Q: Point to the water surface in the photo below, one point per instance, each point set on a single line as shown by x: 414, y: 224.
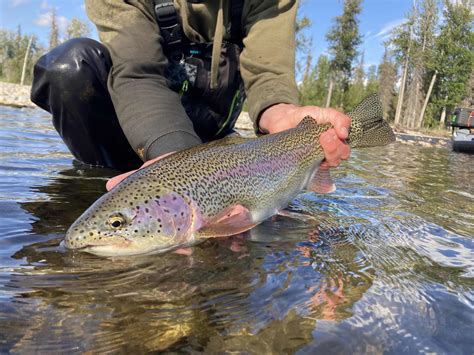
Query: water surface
x: 385, y: 264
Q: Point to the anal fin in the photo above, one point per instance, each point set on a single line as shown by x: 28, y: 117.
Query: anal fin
x: 234, y: 220
x: 321, y: 181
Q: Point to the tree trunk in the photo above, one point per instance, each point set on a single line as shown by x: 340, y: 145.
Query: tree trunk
x: 23, y: 71
x: 398, y: 112
x: 427, y: 99
x: 442, y: 119
x: 331, y: 87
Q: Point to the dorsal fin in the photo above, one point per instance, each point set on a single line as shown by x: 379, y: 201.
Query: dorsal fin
x: 307, y: 121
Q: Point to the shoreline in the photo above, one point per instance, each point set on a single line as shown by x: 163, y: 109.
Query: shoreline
x: 18, y: 96
x: 15, y: 95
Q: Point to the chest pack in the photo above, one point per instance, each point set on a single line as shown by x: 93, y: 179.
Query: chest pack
x: 212, y: 110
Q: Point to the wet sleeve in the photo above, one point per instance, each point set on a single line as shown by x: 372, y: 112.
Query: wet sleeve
x: 268, y: 58
x: 150, y: 114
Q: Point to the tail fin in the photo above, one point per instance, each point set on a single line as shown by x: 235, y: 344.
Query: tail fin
x: 368, y: 128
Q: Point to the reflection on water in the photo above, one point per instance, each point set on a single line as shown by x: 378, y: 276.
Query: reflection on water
x: 385, y: 264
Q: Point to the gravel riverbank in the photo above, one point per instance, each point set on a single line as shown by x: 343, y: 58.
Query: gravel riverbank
x: 15, y: 95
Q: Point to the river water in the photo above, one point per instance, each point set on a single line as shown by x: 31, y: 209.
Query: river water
x: 386, y: 263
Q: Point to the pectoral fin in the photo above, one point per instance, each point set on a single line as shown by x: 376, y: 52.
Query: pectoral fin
x: 305, y: 218
x: 234, y: 220
x: 321, y: 181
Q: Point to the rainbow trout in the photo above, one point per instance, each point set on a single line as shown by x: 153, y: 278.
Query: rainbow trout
x: 217, y: 189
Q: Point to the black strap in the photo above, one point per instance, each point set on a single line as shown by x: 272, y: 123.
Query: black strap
x: 171, y: 30
x: 167, y: 20
x: 236, y: 33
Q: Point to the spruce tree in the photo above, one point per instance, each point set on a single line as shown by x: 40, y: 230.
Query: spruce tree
x: 77, y: 28
x: 344, y: 39
x: 387, y: 79
x: 54, y: 31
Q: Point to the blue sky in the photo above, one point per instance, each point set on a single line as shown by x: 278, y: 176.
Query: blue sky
x: 377, y: 18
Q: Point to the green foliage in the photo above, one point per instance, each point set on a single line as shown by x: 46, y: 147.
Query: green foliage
x: 387, y: 77
x: 54, y: 31
x: 453, y: 57
x: 356, y: 90
x: 421, y: 43
x: 372, y: 85
x: 344, y: 39
x: 77, y: 28
x: 13, y: 46
x: 303, y: 42
x: 315, y: 85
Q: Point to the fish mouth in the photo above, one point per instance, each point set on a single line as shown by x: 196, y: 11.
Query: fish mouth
x: 120, y: 247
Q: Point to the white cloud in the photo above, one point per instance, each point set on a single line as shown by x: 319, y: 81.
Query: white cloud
x: 62, y: 23
x: 45, y: 20
x: 388, y: 28
x: 15, y: 3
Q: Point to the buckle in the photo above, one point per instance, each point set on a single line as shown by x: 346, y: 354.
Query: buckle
x: 168, y: 22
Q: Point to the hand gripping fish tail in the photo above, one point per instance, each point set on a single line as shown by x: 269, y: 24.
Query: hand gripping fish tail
x: 217, y: 189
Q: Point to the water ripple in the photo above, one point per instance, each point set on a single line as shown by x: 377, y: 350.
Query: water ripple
x: 383, y: 265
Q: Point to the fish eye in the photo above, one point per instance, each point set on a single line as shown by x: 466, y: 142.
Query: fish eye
x: 116, y: 221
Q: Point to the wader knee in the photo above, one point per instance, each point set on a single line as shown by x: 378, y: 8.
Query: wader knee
x: 70, y: 82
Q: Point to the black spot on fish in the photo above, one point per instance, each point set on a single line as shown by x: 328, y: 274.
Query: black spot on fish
x: 147, y: 210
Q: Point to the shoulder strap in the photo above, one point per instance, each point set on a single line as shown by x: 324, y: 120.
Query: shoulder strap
x: 167, y: 20
x: 236, y: 33
x: 171, y: 30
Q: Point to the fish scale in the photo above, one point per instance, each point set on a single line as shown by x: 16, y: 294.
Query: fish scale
x: 215, y: 189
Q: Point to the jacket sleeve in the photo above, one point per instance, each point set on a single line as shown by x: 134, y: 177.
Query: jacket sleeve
x: 268, y: 58
x: 150, y: 114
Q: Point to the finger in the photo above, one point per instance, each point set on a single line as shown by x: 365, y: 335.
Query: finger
x: 332, y: 154
x: 111, y: 183
x: 340, y: 121
x: 334, y: 149
x: 345, y: 151
x: 328, y: 141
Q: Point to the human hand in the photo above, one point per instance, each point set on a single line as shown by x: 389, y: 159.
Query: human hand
x: 111, y: 183
x: 281, y: 117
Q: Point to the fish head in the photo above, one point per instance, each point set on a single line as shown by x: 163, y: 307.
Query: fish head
x: 130, y: 223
